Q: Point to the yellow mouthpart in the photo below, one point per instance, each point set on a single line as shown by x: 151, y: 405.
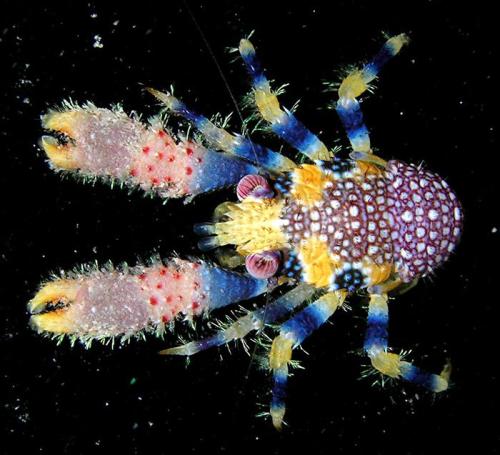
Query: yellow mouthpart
x: 253, y: 225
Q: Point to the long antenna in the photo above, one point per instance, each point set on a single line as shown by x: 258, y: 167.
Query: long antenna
x: 219, y: 69
x: 240, y: 115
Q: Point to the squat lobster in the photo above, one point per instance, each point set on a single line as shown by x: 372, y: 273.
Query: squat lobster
x: 328, y: 228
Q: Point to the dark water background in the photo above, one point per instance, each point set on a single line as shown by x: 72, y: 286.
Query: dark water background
x: 434, y: 103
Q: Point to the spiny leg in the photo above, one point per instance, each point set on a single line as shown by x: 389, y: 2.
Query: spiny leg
x: 235, y: 144
x: 353, y: 86
x: 292, y: 334
x: 388, y: 363
x: 254, y: 320
x: 283, y: 122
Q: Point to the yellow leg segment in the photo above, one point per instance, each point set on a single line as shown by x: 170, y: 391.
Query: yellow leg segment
x: 388, y: 363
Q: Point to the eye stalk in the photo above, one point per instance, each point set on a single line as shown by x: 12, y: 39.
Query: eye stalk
x: 263, y: 265
x: 255, y: 186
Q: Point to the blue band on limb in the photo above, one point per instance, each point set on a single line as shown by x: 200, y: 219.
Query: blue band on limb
x: 376, y: 333
x: 263, y: 156
x: 284, y: 304
x: 296, y: 134
x: 351, y: 116
x: 179, y: 108
x: 419, y: 377
x: 225, y: 287
x: 288, y: 127
x: 220, y: 170
x: 381, y: 58
x: 305, y: 322
x: 280, y: 377
x: 254, y: 67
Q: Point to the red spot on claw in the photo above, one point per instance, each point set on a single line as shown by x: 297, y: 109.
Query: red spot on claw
x: 165, y: 318
x: 142, y: 276
x: 195, y: 305
x: 189, y: 170
x: 153, y: 301
x: 146, y: 150
x: 160, y: 155
x: 155, y: 181
x: 159, y: 285
x: 163, y: 272
x: 176, y: 276
x: 161, y: 133
x: 171, y: 158
x: 150, y: 168
x: 189, y: 151
x: 168, y: 298
x: 133, y: 172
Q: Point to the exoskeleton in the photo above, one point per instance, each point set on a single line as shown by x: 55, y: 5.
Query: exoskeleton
x: 323, y: 229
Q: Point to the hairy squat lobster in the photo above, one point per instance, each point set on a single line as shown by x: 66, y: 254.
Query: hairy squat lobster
x: 327, y: 228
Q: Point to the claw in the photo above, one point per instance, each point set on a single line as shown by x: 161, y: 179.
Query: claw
x: 125, y: 302
x: 59, y: 154
x: 64, y: 124
x: 51, y: 307
x: 108, y: 143
x: 55, y: 292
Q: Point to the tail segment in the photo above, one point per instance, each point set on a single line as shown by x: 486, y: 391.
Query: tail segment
x: 108, y: 143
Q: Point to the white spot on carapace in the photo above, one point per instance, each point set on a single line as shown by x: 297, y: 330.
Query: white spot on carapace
x: 407, y: 216
x: 433, y: 214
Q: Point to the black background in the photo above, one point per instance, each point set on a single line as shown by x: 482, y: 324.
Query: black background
x: 432, y: 104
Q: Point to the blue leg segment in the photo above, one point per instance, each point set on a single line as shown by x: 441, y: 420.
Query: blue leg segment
x: 292, y: 334
x: 388, y: 363
x: 283, y: 122
x: 252, y: 321
x: 356, y: 83
x: 351, y: 117
x: 221, y: 170
x: 237, y: 145
x: 225, y: 287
